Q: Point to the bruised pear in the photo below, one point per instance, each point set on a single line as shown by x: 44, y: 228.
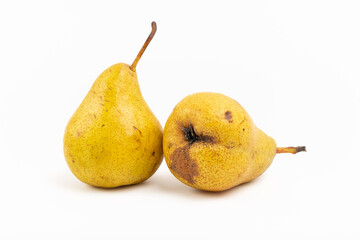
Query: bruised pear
x: 211, y: 143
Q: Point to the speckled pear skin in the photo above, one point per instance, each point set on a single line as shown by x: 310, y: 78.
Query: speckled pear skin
x: 210, y: 143
x: 113, y: 138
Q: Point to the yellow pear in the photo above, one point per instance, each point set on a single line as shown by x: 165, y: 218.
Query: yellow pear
x: 113, y: 138
x: 210, y: 143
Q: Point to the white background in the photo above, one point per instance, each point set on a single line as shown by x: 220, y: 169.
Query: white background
x: 293, y: 65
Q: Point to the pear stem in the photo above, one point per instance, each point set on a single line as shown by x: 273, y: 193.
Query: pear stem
x: 292, y: 150
x: 142, y: 50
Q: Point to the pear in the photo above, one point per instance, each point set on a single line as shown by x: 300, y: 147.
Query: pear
x: 211, y: 143
x: 113, y: 138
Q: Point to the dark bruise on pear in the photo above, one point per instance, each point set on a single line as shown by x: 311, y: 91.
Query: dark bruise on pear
x: 192, y: 137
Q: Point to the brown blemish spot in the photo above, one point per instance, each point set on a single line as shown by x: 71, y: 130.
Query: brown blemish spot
x: 153, y: 153
x: 229, y: 147
x: 73, y: 161
x: 101, y: 104
x: 183, y: 164
x: 117, y: 110
x: 94, y: 115
x: 170, y: 145
x: 78, y: 133
x: 253, y: 154
x: 192, y: 136
x: 138, y: 130
x: 242, y: 121
x: 243, y: 129
x: 102, y: 125
x: 100, y: 97
x: 228, y: 116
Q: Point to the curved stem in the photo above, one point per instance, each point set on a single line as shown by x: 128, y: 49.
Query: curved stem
x: 292, y: 150
x: 142, y: 50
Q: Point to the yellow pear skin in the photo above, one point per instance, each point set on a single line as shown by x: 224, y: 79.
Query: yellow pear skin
x: 211, y: 143
x: 113, y: 138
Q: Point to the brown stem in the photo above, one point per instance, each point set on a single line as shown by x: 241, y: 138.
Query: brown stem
x: 292, y: 150
x: 142, y: 50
